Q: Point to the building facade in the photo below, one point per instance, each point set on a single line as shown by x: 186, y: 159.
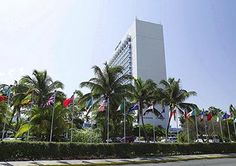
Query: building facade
x: 141, y: 53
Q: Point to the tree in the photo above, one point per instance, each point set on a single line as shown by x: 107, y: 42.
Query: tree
x: 174, y: 97
x: 19, y: 93
x: 109, y: 84
x: 42, y: 87
x: 143, y: 93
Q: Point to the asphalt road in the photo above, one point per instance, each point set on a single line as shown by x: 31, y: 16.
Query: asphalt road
x: 211, y: 162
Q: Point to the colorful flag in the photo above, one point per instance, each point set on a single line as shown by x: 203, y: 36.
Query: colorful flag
x: 26, y: 100
x: 191, y: 113
x: 3, y: 98
x: 209, y: 116
x: 202, y: 114
x: 103, y: 106
x: 134, y: 107
x: 121, y: 107
x: 51, y: 100
x: 66, y: 102
x: 225, y: 116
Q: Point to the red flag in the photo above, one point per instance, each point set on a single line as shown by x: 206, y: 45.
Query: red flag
x: 66, y: 102
x: 173, y: 113
x: 3, y: 98
x: 209, y: 116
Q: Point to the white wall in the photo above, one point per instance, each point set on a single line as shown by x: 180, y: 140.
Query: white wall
x: 150, y: 58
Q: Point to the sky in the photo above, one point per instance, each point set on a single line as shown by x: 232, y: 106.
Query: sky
x: 68, y: 37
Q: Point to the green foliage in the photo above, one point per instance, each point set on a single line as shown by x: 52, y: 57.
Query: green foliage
x: 174, y: 96
x: 108, y: 83
x: 144, y: 93
x: 45, y: 150
x: 23, y: 129
x: 159, y: 131
x: 87, y: 136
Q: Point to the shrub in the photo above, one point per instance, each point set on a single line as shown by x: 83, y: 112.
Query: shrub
x: 57, y: 150
x: 87, y: 136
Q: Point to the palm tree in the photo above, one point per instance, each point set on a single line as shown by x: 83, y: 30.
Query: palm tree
x: 144, y: 92
x: 20, y: 92
x: 42, y: 87
x: 174, y: 97
x: 108, y: 84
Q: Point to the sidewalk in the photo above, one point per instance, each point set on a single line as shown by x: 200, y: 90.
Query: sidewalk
x: 117, y: 161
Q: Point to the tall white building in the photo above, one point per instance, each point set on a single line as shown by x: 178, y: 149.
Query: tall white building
x: 141, y: 53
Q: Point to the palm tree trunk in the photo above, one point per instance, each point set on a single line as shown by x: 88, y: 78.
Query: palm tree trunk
x: 144, y: 130
x: 168, y: 124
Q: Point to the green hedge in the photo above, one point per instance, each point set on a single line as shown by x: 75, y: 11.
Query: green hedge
x: 45, y: 150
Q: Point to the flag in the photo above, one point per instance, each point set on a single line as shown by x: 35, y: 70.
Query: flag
x: 163, y: 110
x: 66, y: 102
x: 202, y: 115
x: 89, y: 104
x: 3, y: 98
x: 191, y: 113
x: 151, y: 108
x: 225, y: 116
x: 51, y: 100
x: 26, y: 100
x: 173, y: 113
x: 121, y: 107
x: 103, y: 106
x: 209, y: 116
x: 231, y: 115
x: 134, y: 107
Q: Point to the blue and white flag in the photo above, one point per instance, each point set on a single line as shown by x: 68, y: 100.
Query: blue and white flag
x: 134, y: 107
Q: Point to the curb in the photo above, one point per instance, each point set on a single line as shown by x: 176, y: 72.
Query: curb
x: 146, y: 161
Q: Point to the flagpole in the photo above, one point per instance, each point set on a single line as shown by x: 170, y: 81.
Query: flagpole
x: 234, y: 128
x: 108, y: 120
x: 227, y: 123
x: 153, y: 125
x: 139, y: 130
x: 31, y: 105
x: 72, y: 120
x: 205, y: 123
x: 196, y: 124
x: 124, y: 123
x: 188, y: 130
x: 53, y: 110
x: 221, y: 131
x: 213, y: 128
x: 177, y: 125
x: 8, y: 106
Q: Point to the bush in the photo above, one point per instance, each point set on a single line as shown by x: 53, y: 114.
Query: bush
x: 87, y: 136
x: 45, y: 150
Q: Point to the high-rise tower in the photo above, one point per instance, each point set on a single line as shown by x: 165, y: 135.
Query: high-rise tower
x: 141, y: 53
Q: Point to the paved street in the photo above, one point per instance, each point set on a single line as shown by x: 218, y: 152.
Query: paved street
x: 207, y: 159
x: 211, y: 162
